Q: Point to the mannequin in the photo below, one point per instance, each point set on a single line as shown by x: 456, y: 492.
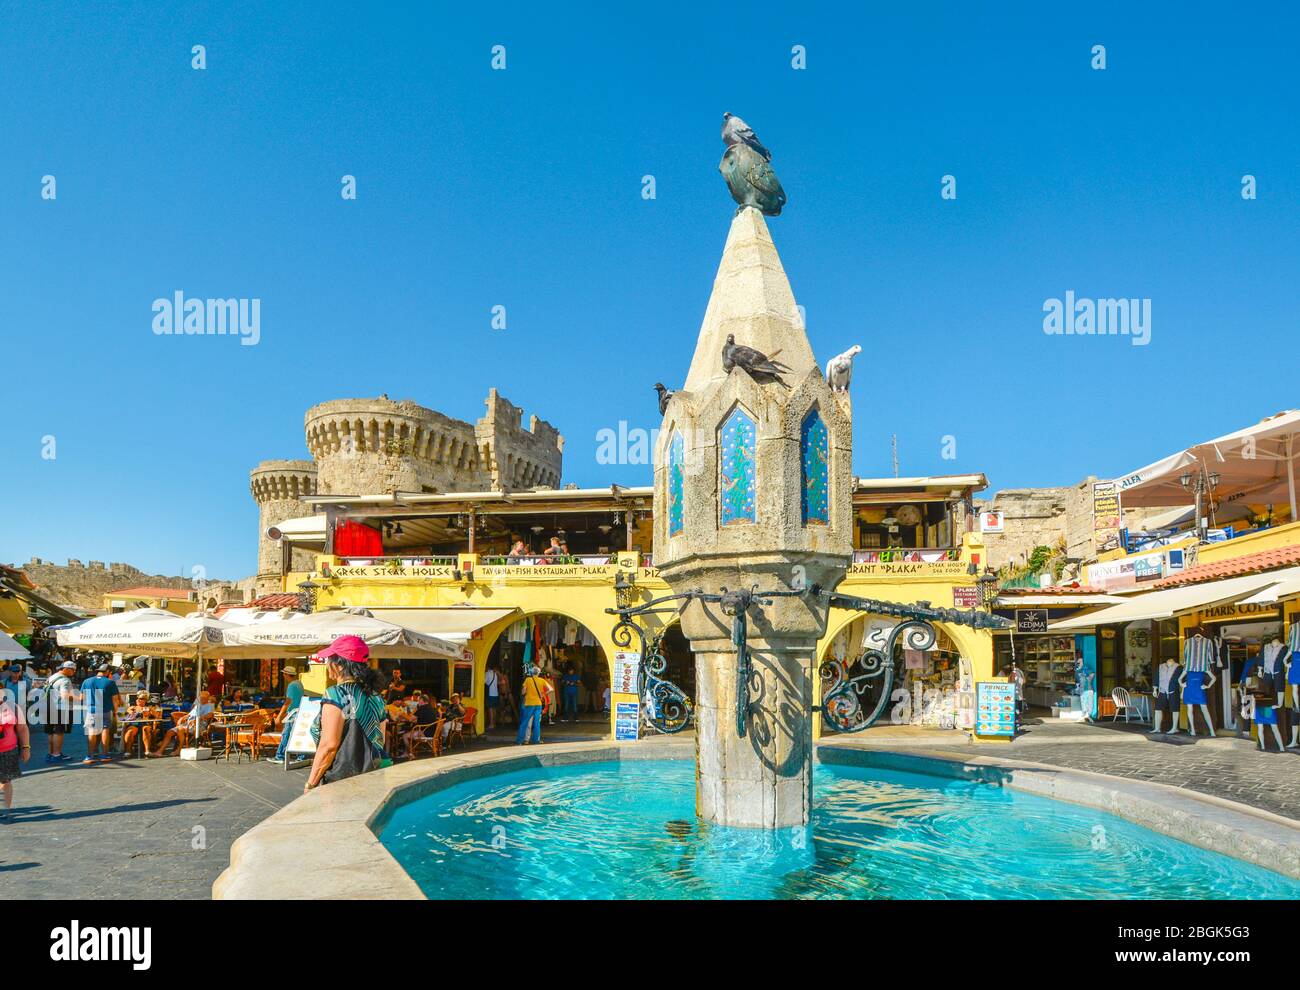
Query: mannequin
x: 1266, y: 718
x: 1166, y: 695
x: 1198, y: 653
x: 1292, y: 660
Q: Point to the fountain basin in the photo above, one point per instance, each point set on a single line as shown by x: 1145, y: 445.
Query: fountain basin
x: 346, y: 840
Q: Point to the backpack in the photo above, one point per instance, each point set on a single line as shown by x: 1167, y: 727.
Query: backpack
x: 355, y: 755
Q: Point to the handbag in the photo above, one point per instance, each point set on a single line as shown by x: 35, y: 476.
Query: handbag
x: 354, y: 756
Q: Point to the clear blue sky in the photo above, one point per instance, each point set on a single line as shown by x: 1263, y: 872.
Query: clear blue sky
x: 523, y: 188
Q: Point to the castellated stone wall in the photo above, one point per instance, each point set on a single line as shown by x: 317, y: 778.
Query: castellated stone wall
x: 277, y: 487
x: 1040, y: 517
x: 517, y: 458
x: 84, y: 586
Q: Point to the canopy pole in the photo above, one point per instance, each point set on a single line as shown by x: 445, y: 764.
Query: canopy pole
x: 1290, y: 473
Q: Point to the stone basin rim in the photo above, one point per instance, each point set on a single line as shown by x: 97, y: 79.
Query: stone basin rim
x: 341, y: 823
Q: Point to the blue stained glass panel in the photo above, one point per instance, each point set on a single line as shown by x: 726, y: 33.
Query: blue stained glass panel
x: 736, y: 474
x: 815, y: 450
x: 676, y: 484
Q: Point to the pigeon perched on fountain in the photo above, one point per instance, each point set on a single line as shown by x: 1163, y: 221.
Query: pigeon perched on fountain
x: 736, y: 131
x: 665, y: 394
x: 745, y: 168
x: 839, y: 369
x: 760, y: 367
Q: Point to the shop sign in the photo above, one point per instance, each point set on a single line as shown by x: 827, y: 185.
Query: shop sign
x: 995, y: 709
x: 1105, y: 516
x: 938, y: 569
x: 627, y: 671
x: 395, y: 571
x: 992, y: 522
x: 1031, y: 620
x: 627, y: 716
x: 1124, y: 571
x: 966, y: 597
x: 1240, y: 611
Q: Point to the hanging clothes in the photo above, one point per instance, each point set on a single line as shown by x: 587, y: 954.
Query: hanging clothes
x: 552, y: 634
x: 570, y: 633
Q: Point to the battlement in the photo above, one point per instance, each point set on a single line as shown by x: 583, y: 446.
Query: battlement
x: 282, y: 481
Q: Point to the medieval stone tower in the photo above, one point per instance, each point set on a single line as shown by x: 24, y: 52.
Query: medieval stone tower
x: 377, y: 446
x: 276, y: 487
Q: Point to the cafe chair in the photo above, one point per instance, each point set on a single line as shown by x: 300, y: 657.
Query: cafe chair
x: 428, y: 737
x: 463, y: 730
x: 1124, y: 703
x: 244, y: 734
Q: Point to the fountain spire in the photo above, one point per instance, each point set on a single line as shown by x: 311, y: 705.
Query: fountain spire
x: 752, y: 493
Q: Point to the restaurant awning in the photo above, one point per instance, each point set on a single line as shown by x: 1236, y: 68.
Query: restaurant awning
x: 1055, y: 601
x: 11, y: 649
x: 1287, y: 586
x: 456, y: 623
x: 1171, y: 602
x: 1255, y: 465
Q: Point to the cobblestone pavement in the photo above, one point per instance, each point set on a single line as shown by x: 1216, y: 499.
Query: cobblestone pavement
x: 132, y: 829
x: 146, y: 829
x: 1225, y: 767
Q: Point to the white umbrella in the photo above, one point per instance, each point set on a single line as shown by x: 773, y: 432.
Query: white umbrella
x: 289, y: 633
x: 152, y: 632
x: 1254, y: 465
x: 11, y: 649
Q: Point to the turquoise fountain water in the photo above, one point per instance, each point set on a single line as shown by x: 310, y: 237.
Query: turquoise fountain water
x: 628, y: 830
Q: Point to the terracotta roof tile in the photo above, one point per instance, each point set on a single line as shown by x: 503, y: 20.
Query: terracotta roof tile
x: 266, y: 603
x: 1252, y: 563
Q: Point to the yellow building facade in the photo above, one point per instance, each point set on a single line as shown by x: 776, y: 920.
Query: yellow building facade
x: 419, y: 590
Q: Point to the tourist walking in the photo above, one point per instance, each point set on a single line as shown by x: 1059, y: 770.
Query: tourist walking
x: 492, y: 695
x: 59, y: 696
x: 15, y: 749
x: 284, y: 719
x: 571, y: 682
x: 349, y: 729
x: 530, y: 708
x: 100, y: 697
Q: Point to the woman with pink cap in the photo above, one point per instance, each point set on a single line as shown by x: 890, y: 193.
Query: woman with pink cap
x: 349, y: 731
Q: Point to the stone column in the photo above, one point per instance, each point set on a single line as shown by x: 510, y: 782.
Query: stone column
x: 752, y: 492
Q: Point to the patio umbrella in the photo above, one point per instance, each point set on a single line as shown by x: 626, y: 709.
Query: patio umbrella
x: 150, y: 632
x: 291, y: 634
x: 1254, y: 465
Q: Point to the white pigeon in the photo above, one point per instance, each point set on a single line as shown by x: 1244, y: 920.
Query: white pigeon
x: 839, y: 369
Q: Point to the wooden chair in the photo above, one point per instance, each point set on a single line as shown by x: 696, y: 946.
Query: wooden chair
x: 430, y: 737
x: 246, y: 735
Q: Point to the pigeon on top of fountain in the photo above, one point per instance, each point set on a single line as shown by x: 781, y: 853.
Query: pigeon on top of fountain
x: 839, y: 369
x: 736, y: 131
x: 761, y: 368
x: 664, y: 395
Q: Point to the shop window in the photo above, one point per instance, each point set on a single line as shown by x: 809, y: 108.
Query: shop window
x: 676, y: 484
x: 737, y: 445
x: 815, y: 455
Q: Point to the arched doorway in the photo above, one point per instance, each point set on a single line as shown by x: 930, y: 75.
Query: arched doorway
x: 932, y: 684
x: 570, y: 658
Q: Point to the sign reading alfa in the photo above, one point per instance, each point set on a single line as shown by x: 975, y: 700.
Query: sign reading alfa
x: 1031, y: 620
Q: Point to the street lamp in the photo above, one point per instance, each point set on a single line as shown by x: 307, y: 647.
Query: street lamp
x: 989, y: 585
x: 307, y: 595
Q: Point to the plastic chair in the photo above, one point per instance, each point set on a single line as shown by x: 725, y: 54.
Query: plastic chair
x: 1123, y: 703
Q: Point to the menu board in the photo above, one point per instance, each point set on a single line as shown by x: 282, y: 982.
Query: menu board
x: 627, y: 717
x: 627, y: 670
x: 995, y: 709
x: 300, y: 740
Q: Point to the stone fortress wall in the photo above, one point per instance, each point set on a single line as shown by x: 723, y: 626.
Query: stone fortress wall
x: 377, y: 446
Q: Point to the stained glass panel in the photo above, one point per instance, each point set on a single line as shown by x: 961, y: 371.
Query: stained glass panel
x: 816, y: 455
x: 736, y: 474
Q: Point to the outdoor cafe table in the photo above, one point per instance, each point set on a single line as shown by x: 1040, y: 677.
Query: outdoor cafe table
x: 140, y: 723
x: 228, y: 722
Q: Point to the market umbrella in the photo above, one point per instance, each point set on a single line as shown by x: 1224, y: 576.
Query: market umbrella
x: 1255, y: 465
x: 150, y: 632
x: 291, y: 634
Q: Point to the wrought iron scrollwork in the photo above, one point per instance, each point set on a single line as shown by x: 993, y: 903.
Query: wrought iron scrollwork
x: 665, y: 706
x: 842, y: 706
